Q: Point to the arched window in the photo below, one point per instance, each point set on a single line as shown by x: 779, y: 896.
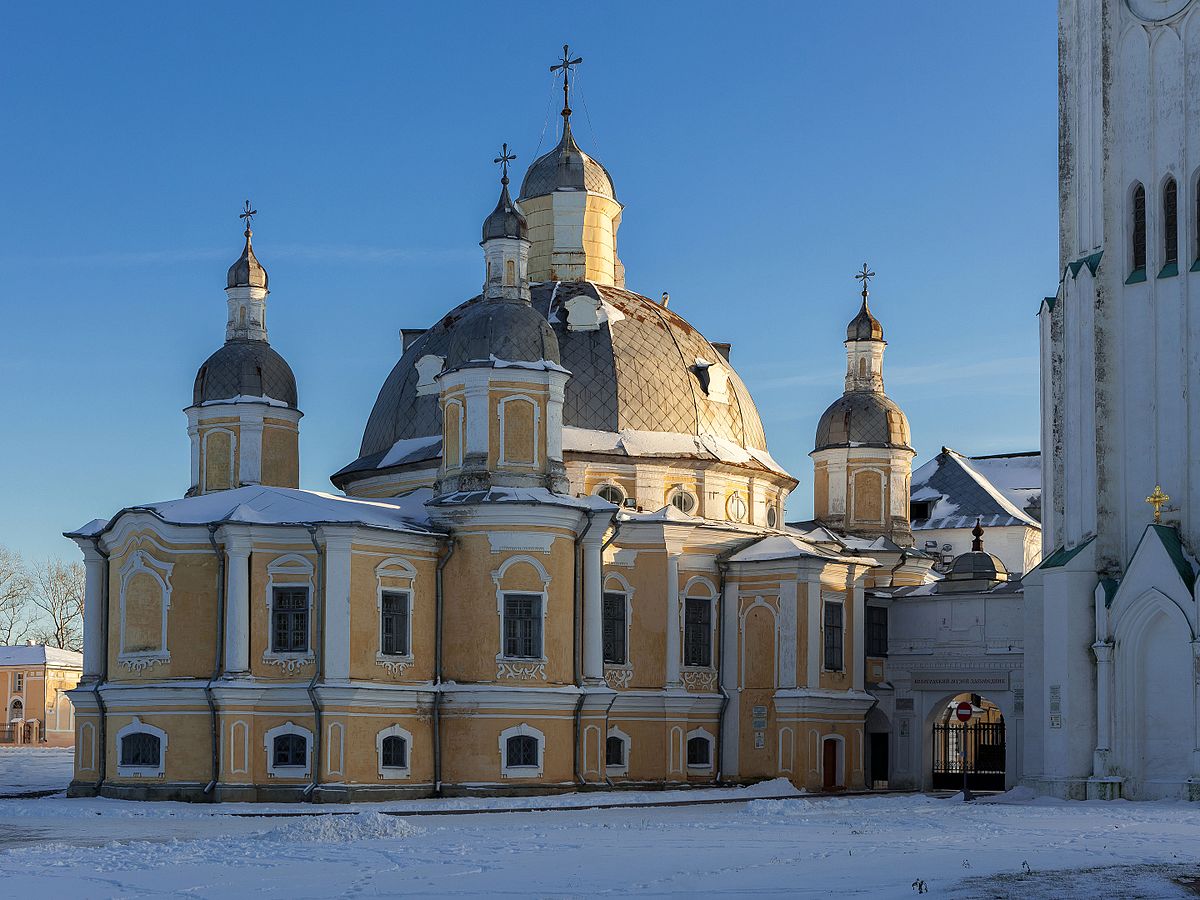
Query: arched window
x: 612, y: 493
x: 521, y: 752
x: 1170, y: 224
x: 697, y: 627
x: 290, y: 750
x: 16, y: 711
x: 140, y: 749
x: 699, y: 752
x: 614, y: 751
x: 395, y: 752
x: 510, y: 272
x: 1138, y: 242
x: 682, y: 500
x: 862, y: 367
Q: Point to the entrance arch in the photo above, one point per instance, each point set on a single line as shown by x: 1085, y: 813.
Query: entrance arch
x: 833, y: 762
x: 980, y: 744
x: 878, y: 749
x: 16, y: 710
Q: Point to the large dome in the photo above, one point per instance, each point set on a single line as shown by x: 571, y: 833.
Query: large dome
x: 863, y: 419
x: 640, y: 370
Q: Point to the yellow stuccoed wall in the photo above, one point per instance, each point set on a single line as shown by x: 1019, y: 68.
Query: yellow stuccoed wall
x: 280, y: 454
x: 364, y: 613
x: 475, y: 756
x: 260, y: 617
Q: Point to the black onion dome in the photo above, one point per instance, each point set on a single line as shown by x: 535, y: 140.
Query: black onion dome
x: 864, y: 326
x: 863, y: 419
x: 502, y: 329
x: 566, y: 167
x: 245, y: 369
x: 505, y: 221
x: 247, y: 271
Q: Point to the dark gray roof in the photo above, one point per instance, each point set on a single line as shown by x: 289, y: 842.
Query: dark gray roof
x: 863, y: 419
x: 505, y: 221
x: 247, y: 270
x: 500, y: 328
x: 959, y: 495
x: 247, y: 369
x: 566, y: 167
x: 977, y: 565
x: 636, y: 371
x: 864, y: 326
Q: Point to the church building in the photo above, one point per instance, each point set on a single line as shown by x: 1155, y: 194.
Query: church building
x: 558, y: 560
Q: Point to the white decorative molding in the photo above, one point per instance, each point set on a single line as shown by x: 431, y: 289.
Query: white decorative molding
x: 141, y: 562
x: 501, y: 412
x: 704, y: 735
x: 523, y: 730
x: 615, y: 732
x: 527, y: 541
x: 395, y: 666
x: 289, y: 664
x: 137, y: 726
x: 428, y: 368
x: 138, y: 664
x: 269, y: 744
x: 397, y: 569
x: 699, y: 679
x: 394, y: 771
x: 623, y: 557
x: 618, y: 677
x: 522, y: 670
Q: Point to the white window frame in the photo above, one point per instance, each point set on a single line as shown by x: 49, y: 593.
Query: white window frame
x: 623, y: 587
x: 501, y: 411
x: 291, y: 564
x: 838, y: 599
x: 611, y: 484
x: 497, y: 579
x: 18, y: 682
x: 394, y: 772
x: 269, y: 744
x: 137, y: 726
x: 737, y: 497
x: 706, y: 735
x: 623, y: 769
x: 680, y: 489
x: 398, y: 569
x: 522, y: 730
x: 138, y: 562
x: 688, y: 593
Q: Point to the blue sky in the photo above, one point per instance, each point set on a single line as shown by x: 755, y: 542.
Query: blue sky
x: 762, y: 151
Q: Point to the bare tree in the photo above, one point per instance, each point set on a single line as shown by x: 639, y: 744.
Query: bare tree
x: 16, y: 619
x: 56, y: 593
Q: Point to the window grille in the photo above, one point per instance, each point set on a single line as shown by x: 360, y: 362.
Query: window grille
x: 394, y: 623
x: 290, y: 750
x: 520, y: 751
x: 877, y: 631
x: 1139, y: 227
x: 1170, y: 223
x: 699, y: 751
x: 614, y: 752
x: 611, y: 493
x: 289, y: 612
x: 140, y: 749
x: 833, y: 637
x: 523, y: 626
x: 697, y: 632
x: 395, y: 752
x: 614, y: 628
x: 682, y: 501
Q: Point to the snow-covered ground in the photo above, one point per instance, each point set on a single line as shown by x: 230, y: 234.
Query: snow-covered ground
x: 875, y: 846
x: 25, y: 769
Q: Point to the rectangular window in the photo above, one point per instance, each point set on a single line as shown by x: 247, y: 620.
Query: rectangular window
x: 614, y: 752
x: 523, y: 626
x: 18, y: 682
x: 614, y: 628
x: 833, y: 637
x: 140, y: 749
x: 289, y: 620
x: 697, y: 632
x: 393, y: 637
x: 877, y: 631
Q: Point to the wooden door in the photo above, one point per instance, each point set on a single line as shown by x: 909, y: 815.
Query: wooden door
x: 829, y: 764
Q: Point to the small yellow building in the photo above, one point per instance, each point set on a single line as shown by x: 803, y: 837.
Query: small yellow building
x: 34, y: 681
x: 559, y: 561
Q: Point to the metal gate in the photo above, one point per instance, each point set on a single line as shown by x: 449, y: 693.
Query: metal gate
x: 980, y: 745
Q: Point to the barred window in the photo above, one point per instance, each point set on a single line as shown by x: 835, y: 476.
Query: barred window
x: 520, y: 751
x: 833, y: 637
x: 1170, y: 222
x: 614, y: 752
x: 289, y: 750
x: 393, y: 638
x: 699, y: 751
x: 697, y: 632
x: 289, y: 620
x: 523, y: 626
x: 614, y: 628
x: 140, y: 749
x: 18, y: 682
x: 877, y: 631
x: 1139, y: 227
x: 395, y: 752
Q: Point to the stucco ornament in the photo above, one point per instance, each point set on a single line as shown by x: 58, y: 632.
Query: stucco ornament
x: 1157, y: 10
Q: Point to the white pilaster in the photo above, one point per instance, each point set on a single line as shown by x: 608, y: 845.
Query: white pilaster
x: 787, y: 634
x: 237, y: 603
x: 593, y: 608
x: 93, y: 612
x: 730, y: 653
x: 673, y: 623
x: 858, y: 636
x: 1104, y: 672
x: 814, y: 634
x: 337, y: 606
x: 250, y: 448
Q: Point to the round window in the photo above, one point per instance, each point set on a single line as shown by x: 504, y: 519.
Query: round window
x: 772, y: 517
x: 611, y: 493
x: 736, y: 507
x: 682, y: 500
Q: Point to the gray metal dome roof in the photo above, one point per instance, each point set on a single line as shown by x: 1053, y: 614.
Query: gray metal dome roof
x: 566, y: 167
x: 977, y: 565
x: 245, y: 369
x: 863, y: 419
x: 500, y: 328
x: 864, y: 326
x: 636, y: 371
x: 505, y: 221
x: 247, y: 270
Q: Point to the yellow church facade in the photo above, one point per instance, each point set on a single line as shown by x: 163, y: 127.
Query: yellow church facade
x: 558, y: 562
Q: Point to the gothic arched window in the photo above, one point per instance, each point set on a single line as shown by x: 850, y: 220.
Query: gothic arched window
x: 1170, y: 223
x: 1139, y: 228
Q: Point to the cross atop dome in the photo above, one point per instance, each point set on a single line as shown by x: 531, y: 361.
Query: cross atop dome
x: 564, y: 66
x: 865, y: 276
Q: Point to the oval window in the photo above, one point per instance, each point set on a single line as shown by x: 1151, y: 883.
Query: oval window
x: 772, y: 517
x: 736, y: 507
x: 682, y: 501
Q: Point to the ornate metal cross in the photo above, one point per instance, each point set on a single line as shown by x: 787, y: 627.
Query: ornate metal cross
x: 865, y: 277
x: 565, y: 67
x: 248, y: 214
x: 504, y: 159
x: 1157, y: 499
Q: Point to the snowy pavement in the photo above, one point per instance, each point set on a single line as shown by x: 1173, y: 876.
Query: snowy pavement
x: 872, y: 846
x: 24, y: 769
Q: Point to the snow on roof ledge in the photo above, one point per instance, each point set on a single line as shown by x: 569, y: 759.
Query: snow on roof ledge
x: 629, y: 442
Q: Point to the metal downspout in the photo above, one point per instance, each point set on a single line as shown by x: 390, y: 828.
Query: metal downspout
x: 220, y: 652
x: 102, y: 731
x: 722, y: 570
x: 318, y: 609
x: 439, y: 594
x: 575, y: 635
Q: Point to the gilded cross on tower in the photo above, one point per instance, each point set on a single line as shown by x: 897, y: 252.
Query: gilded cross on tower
x: 1157, y: 499
x: 248, y: 214
x: 504, y: 159
x: 865, y: 277
x: 565, y: 67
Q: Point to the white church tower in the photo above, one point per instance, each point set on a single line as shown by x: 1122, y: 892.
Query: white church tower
x: 1112, y: 654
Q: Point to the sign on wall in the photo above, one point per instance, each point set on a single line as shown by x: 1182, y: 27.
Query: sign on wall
x: 959, y: 681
